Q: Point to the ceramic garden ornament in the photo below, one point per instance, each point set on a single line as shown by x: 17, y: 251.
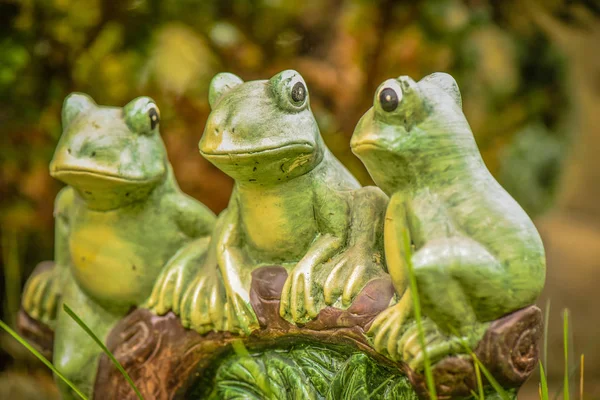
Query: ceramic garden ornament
x: 300, y: 288
x: 475, y: 253
x: 293, y: 205
x: 119, y: 222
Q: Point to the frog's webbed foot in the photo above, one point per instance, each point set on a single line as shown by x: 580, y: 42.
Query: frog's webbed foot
x: 437, y: 343
x: 387, y: 329
x: 43, y: 293
x: 202, y: 307
x: 172, y: 281
x: 346, y: 275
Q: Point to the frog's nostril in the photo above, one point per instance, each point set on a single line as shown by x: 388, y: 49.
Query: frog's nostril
x: 69, y: 150
x: 93, y: 154
x: 216, y: 131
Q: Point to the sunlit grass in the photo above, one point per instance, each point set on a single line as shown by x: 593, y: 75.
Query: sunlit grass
x: 543, y: 384
x: 41, y: 358
x: 417, y: 311
x: 116, y: 363
x: 566, y: 394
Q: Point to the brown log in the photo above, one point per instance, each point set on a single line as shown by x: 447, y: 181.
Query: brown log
x: 165, y: 360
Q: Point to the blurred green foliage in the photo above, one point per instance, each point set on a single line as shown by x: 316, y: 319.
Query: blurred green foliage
x: 510, y: 76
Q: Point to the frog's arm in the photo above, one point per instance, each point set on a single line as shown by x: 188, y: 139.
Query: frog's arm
x: 363, y: 259
x: 196, y: 221
x: 299, y: 302
x: 42, y: 293
x: 235, y: 270
x: 192, y: 217
x: 388, y: 327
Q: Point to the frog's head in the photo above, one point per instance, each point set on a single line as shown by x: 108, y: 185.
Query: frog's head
x: 413, y: 130
x: 261, y: 131
x: 112, y: 156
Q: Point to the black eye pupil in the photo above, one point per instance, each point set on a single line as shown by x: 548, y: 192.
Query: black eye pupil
x: 154, y: 118
x: 298, y: 92
x: 388, y: 98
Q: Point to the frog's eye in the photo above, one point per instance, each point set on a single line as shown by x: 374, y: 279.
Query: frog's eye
x: 390, y: 95
x: 298, y: 93
x: 142, y: 115
x: 154, y: 116
x: 290, y: 90
x: 388, y: 98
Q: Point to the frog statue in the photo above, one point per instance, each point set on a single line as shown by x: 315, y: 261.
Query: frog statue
x: 294, y: 205
x: 475, y: 254
x: 121, y: 220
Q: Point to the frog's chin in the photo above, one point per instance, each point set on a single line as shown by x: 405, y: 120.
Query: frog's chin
x: 270, y: 165
x: 389, y: 170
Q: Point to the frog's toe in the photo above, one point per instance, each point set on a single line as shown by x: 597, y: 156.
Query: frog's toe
x: 242, y: 318
x: 334, y: 283
x: 354, y: 284
x: 436, y: 348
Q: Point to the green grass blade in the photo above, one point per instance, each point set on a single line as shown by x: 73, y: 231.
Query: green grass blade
x: 544, y: 383
x: 497, y: 387
x: 546, y: 323
x: 41, y: 358
x: 417, y: 311
x: 104, y: 348
x: 566, y: 347
x: 479, y: 365
x: 479, y: 382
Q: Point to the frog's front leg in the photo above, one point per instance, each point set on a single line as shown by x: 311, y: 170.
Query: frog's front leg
x: 235, y: 269
x: 44, y: 289
x: 178, y: 272
x: 387, y: 329
x: 362, y: 260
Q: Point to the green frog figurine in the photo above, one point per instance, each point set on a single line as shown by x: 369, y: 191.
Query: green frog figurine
x: 476, y: 254
x: 293, y: 204
x: 121, y: 220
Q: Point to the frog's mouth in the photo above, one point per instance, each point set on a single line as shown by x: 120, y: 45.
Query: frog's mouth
x: 79, y: 177
x: 299, y: 147
x: 367, y: 145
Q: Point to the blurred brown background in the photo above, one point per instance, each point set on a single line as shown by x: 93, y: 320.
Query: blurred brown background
x: 529, y: 73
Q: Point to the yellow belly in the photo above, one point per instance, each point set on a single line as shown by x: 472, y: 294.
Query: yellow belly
x: 107, y: 266
x: 278, y: 227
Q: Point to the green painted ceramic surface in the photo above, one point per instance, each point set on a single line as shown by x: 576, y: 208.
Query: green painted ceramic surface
x: 476, y: 254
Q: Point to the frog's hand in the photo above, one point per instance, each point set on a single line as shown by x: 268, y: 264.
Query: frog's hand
x: 175, y: 276
x: 301, y: 298
x: 202, y: 306
x: 43, y: 292
x: 386, y: 330
x: 362, y: 261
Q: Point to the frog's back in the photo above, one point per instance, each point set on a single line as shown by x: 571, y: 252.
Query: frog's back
x: 493, y: 218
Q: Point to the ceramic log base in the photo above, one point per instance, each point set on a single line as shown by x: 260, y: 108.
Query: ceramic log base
x: 167, y: 361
